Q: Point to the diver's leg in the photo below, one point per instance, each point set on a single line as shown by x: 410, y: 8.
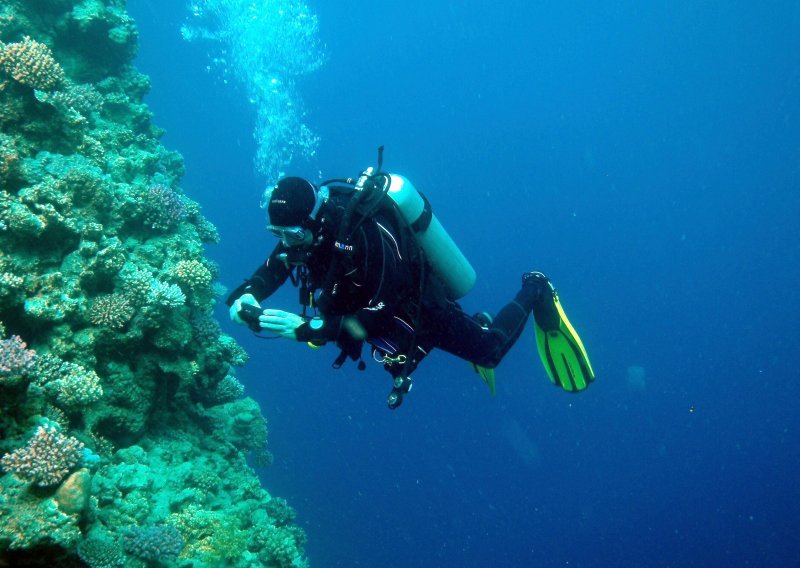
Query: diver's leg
x: 510, y: 320
x: 450, y: 328
x: 462, y: 335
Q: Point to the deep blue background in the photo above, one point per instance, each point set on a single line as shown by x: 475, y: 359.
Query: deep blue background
x: 645, y: 156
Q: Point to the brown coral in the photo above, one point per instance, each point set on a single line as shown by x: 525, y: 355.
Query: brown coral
x: 31, y: 63
x: 192, y: 273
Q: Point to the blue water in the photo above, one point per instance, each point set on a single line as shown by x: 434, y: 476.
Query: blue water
x: 644, y: 155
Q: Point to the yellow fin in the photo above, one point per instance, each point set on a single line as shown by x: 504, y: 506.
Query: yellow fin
x: 487, y: 375
x: 561, y: 349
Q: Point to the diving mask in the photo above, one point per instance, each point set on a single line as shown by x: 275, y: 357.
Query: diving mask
x: 289, y: 236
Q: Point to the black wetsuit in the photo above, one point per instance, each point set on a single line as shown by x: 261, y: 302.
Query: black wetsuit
x: 379, y: 287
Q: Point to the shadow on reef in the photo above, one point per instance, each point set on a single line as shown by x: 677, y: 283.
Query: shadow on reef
x: 124, y: 432
x: 41, y: 556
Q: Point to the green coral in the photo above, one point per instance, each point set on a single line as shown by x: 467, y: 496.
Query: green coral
x: 233, y: 351
x: 99, y: 552
x: 192, y: 274
x: 212, y: 535
x: 114, y: 295
x: 66, y: 384
x: 112, y: 310
x: 222, y: 522
x: 29, y: 520
x: 31, y: 63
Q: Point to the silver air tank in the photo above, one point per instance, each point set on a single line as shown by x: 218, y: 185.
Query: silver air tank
x: 446, y: 259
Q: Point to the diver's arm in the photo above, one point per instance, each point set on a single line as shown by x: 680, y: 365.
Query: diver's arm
x: 265, y: 280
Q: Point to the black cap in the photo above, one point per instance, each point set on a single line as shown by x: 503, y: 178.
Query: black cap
x: 291, y: 202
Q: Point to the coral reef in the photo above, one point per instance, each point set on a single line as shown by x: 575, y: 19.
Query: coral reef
x: 124, y: 433
x: 15, y: 359
x: 157, y: 543
x: 31, y: 63
x: 47, y: 459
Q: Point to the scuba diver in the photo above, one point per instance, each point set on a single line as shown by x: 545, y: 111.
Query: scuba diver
x: 374, y: 266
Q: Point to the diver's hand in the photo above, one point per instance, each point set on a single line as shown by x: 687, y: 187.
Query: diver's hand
x: 280, y: 322
x: 236, y: 307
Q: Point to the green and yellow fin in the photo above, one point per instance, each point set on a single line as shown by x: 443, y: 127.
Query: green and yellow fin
x: 487, y: 375
x: 560, y: 347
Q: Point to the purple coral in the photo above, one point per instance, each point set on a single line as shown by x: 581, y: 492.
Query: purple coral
x: 206, y: 329
x: 47, y: 459
x: 156, y: 543
x: 15, y: 359
x: 165, y: 209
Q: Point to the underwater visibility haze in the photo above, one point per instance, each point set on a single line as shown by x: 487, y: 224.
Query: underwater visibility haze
x: 646, y: 156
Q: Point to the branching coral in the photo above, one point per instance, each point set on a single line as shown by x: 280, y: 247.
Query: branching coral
x: 66, y: 384
x: 233, y: 351
x: 99, y: 552
x: 15, y: 359
x: 73, y: 98
x: 136, y: 283
x: 112, y: 311
x: 192, y: 273
x: 163, y: 208
x: 166, y: 295
x: 31, y: 63
x: 153, y: 544
x: 47, y: 459
x: 206, y: 329
x: 228, y: 389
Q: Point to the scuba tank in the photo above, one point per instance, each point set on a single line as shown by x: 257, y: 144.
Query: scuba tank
x: 446, y: 259
x: 371, y: 189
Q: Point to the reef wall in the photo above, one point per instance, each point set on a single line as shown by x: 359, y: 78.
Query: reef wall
x: 123, y: 430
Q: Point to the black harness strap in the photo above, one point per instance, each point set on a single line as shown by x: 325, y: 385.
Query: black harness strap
x: 364, y: 204
x: 424, y: 220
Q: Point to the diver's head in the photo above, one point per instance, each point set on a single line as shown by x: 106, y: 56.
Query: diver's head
x: 292, y: 205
